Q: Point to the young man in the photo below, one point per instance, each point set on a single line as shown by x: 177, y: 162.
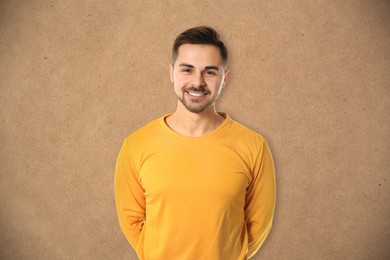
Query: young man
x: 195, y: 184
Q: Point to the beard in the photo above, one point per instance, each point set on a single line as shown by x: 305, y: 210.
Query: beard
x: 196, y: 106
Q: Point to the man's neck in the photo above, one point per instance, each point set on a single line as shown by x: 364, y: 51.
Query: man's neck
x: 191, y: 124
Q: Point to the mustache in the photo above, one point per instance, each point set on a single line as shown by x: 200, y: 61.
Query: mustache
x: 199, y: 89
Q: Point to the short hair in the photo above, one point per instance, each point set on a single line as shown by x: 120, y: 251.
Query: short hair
x: 200, y: 35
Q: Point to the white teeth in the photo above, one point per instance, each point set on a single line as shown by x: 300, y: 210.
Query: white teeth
x: 195, y: 94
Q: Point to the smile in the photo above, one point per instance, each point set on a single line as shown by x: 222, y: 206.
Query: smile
x: 196, y: 94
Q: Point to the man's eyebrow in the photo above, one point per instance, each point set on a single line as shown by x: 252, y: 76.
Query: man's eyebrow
x: 211, y: 68
x: 192, y: 66
x: 186, y: 65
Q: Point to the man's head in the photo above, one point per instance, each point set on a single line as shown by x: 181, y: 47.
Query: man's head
x: 198, y: 71
x: 200, y: 35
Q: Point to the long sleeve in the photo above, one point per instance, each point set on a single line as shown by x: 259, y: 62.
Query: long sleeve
x: 260, y: 199
x: 129, y: 197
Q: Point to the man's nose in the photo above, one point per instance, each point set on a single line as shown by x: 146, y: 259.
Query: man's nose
x: 198, y: 80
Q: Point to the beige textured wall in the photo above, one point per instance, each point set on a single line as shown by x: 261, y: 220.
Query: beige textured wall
x: 79, y: 76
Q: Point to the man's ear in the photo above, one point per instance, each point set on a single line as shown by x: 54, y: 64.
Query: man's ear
x: 171, y: 72
x: 226, y: 76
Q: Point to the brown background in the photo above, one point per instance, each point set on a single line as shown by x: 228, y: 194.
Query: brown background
x: 78, y: 76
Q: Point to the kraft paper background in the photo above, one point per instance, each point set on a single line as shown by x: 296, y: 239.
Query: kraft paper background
x: 78, y: 76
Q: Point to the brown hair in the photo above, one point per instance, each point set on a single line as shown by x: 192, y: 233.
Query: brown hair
x: 200, y: 35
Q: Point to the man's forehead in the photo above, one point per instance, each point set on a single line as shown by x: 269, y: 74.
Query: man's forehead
x: 199, y: 54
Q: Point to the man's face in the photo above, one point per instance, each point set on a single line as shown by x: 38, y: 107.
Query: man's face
x: 198, y: 76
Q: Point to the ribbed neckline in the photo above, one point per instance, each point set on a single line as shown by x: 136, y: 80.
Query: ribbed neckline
x: 200, y: 139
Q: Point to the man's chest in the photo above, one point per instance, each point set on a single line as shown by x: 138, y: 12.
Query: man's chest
x: 194, y: 173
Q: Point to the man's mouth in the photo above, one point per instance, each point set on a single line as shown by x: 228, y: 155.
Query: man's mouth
x: 196, y: 94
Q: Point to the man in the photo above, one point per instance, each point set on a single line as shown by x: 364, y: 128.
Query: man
x: 195, y: 184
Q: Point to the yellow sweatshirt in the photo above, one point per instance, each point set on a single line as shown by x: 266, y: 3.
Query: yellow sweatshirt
x: 209, y: 197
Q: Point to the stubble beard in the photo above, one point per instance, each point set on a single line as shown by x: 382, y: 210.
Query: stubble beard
x: 195, y: 106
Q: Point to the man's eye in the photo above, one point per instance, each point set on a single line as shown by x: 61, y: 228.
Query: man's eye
x: 186, y: 70
x: 210, y: 73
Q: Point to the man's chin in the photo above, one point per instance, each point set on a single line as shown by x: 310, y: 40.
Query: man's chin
x: 198, y: 108
x: 195, y: 106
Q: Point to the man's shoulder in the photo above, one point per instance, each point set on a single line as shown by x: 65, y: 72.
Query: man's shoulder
x: 244, y: 132
x: 144, y: 133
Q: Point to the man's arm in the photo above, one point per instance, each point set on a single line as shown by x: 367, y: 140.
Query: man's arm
x: 260, y: 200
x: 129, y: 197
